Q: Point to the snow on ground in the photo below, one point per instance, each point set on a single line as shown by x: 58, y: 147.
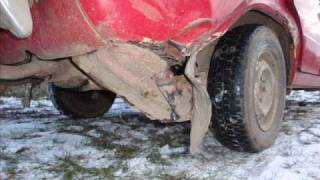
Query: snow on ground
x: 38, y: 143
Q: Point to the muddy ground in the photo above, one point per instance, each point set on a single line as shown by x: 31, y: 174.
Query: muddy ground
x: 39, y: 143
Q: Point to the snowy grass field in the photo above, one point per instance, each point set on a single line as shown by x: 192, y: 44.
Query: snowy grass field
x: 39, y: 143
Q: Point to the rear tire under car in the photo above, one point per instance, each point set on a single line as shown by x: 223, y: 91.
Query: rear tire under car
x: 79, y: 105
x: 247, y: 86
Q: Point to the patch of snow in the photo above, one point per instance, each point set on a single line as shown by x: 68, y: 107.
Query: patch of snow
x: 167, y: 150
x: 35, y: 141
x: 305, y: 96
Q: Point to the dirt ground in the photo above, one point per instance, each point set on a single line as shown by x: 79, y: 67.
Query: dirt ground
x: 39, y: 143
x: 2, y: 89
x: 39, y: 90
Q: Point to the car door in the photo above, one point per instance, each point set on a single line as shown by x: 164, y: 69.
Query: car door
x: 309, y: 13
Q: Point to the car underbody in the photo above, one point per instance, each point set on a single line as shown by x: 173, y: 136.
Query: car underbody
x: 135, y: 73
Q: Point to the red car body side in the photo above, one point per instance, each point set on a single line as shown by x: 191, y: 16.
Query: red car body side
x: 74, y: 27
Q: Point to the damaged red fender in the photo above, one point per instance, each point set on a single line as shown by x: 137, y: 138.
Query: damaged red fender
x: 74, y: 27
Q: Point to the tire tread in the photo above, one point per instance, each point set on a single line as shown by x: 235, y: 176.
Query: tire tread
x: 225, y: 79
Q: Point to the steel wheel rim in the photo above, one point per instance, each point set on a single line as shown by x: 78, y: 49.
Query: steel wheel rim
x: 265, y: 90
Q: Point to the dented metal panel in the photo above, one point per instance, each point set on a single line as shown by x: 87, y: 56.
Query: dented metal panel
x: 141, y: 77
x: 135, y: 20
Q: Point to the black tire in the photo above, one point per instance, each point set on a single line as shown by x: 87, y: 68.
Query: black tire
x: 80, y: 105
x: 247, y: 86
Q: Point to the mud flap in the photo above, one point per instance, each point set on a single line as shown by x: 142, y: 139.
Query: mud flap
x: 202, y: 108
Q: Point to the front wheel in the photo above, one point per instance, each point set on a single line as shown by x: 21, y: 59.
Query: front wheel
x: 77, y: 105
x: 247, y: 85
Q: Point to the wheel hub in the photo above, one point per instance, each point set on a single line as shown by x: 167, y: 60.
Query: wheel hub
x: 264, y: 91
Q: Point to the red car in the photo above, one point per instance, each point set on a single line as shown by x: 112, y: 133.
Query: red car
x: 223, y: 64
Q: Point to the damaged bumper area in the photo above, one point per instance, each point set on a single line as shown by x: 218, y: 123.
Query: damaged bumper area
x: 148, y: 83
x: 139, y: 75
